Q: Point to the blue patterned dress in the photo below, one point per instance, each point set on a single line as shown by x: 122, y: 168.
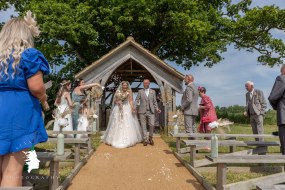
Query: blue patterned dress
x: 21, y: 122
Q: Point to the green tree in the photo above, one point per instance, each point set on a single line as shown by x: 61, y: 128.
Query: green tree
x: 188, y: 32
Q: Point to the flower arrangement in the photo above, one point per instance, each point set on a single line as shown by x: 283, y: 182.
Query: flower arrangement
x: 120, y: 98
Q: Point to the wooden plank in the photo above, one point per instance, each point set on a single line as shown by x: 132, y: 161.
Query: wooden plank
x: 70, y: 140
x: 221, y: 176
x: 51, y: 156
x: 76, y: 154
x: 49, y: 132
x: 178, y: 142
x: 192, y: 155
x: 231, y: 143
x: 270, y: 187
x: 54, y: 175
x: 235, y: 159
x: 252, y: 183
x: 206, y: 162
x: 203, y: 135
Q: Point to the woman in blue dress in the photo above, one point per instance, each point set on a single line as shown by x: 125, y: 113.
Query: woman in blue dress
x: 21, y: 91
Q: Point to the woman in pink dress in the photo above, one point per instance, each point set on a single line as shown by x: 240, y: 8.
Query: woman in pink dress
x: 207, y: 111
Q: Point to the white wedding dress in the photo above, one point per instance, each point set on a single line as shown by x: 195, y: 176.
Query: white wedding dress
x: 83, y: 125
x: 123, y: 129
x: 59, y: 110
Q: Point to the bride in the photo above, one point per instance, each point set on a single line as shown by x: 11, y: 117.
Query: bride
x: 123, y: 128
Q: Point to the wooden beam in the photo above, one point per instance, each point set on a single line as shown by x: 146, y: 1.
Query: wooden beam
x: 221, y: 176
x: 130, y: 71
x: 252, y: 183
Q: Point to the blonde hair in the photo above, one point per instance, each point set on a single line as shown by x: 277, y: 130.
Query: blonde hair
x: 16, y: 36
x: 62, y: 90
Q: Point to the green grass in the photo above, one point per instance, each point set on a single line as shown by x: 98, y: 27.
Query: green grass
x: 232, y: 177
x: 64, y: 171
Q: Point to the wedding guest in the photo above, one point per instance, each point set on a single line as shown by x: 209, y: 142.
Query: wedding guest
x: 207, y: 111
x: 277, y: 101
x: 78, y: 94
x: 255, y: 108
x: 22, y: 91
x: 189, y: 104
x: 64, y: 104
x: 83, y: 122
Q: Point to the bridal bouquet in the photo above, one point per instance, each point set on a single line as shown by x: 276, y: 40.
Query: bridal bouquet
x: 121, y: 97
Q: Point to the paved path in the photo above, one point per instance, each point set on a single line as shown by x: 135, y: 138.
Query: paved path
x: 134, y: 168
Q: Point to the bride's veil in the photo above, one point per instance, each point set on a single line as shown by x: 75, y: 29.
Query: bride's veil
x: 120, y: 89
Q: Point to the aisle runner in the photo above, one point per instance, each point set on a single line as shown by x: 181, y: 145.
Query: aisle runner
x: 134, y: 168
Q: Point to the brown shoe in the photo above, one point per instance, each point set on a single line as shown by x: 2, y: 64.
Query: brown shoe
x: 145, y: 143
x: 151, y: 141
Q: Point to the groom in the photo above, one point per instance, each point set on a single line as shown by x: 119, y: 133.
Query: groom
x: 146, y: 105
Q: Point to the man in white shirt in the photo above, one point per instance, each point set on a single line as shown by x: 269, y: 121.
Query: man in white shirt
x: 255, y: 108
x: 146, y: 106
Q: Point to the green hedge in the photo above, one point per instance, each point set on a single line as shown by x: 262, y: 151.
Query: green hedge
x: 235, y: 114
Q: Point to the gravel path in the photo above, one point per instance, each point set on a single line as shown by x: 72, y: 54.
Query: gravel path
x: 134, y: 168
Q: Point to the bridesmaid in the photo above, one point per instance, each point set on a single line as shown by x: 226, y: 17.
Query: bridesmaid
x: 64, y: 103
x: 78, y: 95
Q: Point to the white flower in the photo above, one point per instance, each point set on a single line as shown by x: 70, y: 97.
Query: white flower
x: 175, y: 116
x: 214, y: 124
x: 95, y: 116
x: 63, y: 122
x: 103, y: 87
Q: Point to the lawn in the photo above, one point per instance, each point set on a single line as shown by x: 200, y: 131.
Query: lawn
x: 232, y: 176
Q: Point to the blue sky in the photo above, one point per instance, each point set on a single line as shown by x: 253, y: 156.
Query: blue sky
x: 225, y: 81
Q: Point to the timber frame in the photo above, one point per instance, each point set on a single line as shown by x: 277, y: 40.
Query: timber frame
x: 132, y: 62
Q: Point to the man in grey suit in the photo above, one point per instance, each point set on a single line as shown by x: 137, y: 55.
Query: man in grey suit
x: 146, y: 107
x: 277, y: 101
x: 255, y: 108
x: 189, y: 104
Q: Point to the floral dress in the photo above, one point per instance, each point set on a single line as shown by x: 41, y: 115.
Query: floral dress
x: 207, y: 115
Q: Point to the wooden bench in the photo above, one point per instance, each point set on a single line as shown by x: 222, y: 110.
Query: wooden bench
x: 88, y: 133
x: 54, y: 166
x: 77, y: 143
x: 193, y: 144
x: 179, y: 137
x: 223, y: 160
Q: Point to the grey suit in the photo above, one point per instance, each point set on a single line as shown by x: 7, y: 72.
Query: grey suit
x: 277, y: 101
x: 189, y: 106
x: 255, y: 108
x: 146, y: 106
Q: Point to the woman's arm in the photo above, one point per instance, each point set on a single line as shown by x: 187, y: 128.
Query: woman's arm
x: 84, y: 87
x: 68, y: 98
x: 37, y: 88
x: 131, y: 100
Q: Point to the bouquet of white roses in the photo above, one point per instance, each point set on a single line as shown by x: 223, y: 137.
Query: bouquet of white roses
x: 120, y: 98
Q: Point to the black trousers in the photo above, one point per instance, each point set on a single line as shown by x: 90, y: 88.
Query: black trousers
x: 281, y: 131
